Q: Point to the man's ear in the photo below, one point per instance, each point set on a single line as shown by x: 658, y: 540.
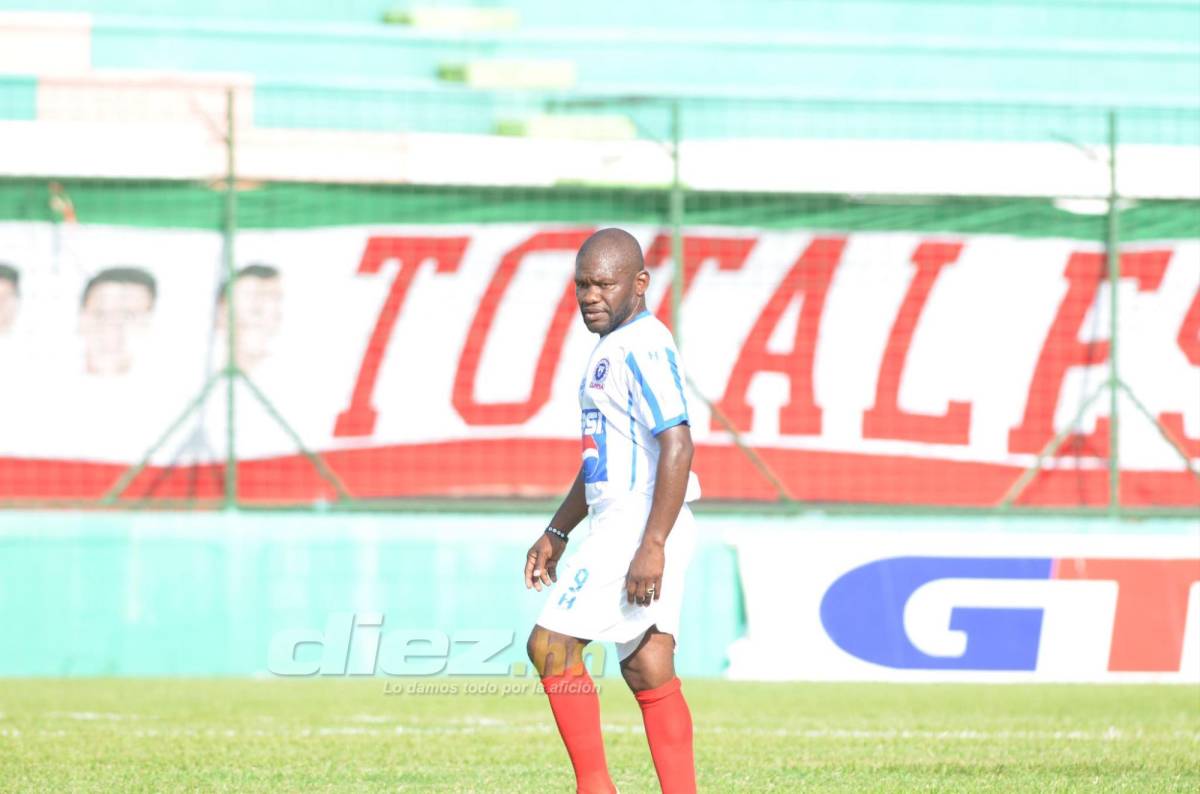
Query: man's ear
x: 642, y: 283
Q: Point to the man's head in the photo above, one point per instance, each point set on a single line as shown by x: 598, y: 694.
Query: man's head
x: 10, y: 295
x: 257, y: 312
x: 610, y: 280
x: 116, y: 304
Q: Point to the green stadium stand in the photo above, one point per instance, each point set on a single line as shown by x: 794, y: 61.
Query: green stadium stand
x: 784, y: 62
x: 1030, y: 20
x: 454, y: 18
x: 510, y: 73
x: 611, y: 127
x: 407, y: 107
x: 1115, y: 21
x: 18, y: 98
x: 862, y: 69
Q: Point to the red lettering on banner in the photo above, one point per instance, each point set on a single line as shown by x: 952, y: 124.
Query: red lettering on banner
x: 1189, y: 343
x: 410, y: 252
x: 810, y: 276
x: 885, y: 419
x: 513, y: 413
x: 1062, y: 350
x: 1152, y: 602
x: 730, y: 253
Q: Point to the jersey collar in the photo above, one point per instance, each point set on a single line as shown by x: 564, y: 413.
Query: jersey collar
x: 641, y: 315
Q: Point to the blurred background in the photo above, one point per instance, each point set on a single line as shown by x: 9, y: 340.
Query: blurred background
x: 287, y: 327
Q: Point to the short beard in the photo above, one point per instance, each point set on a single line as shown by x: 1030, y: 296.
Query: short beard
x: 619, y: 319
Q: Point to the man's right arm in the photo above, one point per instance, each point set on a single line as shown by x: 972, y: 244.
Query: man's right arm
x: 542, y: 559
x: 573, y: 508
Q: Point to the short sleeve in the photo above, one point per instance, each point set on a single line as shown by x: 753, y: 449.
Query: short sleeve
x: 656, y: 388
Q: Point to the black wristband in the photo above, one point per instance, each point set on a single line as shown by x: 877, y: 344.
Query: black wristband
x: 558, y: 533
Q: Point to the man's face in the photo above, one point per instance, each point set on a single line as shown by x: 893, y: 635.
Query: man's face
x: 257, y: 312
x: 607, y: 291
x: 8, y: 305
x: 113, y: 315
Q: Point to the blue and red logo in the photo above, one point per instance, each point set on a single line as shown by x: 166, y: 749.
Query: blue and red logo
x: 863, y: 611
x: 595, y: 447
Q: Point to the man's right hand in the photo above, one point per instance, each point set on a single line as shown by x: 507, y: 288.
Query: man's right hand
x: 542, y: 561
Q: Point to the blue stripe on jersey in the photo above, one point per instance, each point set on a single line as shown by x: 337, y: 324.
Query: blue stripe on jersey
x: 675, y: 375
x: 633, y: 438
x: 669, y: 423
x: 655, y: 411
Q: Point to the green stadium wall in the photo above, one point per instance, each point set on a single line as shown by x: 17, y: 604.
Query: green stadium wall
x: 202, y: 594
x: 206, y: 594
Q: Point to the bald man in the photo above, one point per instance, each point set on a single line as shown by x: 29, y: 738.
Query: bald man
x: 624, y: 583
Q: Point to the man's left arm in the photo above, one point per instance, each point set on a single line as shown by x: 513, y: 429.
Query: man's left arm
x: 644, y: 580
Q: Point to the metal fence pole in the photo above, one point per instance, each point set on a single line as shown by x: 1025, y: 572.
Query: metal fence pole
x: 676, y: 229
x: 1112, y: 243
x: 230, y: 231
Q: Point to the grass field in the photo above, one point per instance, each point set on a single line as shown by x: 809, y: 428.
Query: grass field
x: 273, y: 735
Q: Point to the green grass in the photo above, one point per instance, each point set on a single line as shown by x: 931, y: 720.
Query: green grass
x: 276, y: 735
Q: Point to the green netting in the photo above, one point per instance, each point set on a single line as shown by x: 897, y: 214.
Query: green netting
x: 188, y: 205
x: 882, y: 304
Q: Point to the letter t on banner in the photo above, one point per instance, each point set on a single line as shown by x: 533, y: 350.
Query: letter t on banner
x: 409, y: 252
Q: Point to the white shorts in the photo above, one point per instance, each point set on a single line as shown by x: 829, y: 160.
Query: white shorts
x: 589, y: 599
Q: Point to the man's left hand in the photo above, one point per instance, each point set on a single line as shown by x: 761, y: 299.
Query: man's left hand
x: 643, y: 582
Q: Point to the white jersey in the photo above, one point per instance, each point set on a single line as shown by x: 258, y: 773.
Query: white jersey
x: 632, y: 390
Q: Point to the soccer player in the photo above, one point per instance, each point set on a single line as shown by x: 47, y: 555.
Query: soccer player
x: 624, y: 583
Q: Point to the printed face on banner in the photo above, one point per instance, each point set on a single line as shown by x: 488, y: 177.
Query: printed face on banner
x: 258, y: 314
x: 9, y: 301
x: 114, y: 321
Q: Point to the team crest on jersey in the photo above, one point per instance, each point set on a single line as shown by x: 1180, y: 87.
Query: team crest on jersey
x: 599, y: 374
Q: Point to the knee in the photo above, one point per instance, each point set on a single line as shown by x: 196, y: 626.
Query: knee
x: 639, y: 672
x: 651, y: 665
x: 551, y: 653
x: 634, y: 678
x: 642, y: 680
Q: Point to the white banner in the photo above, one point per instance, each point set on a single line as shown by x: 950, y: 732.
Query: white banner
x: 897, y: 604
x: 931, y: 368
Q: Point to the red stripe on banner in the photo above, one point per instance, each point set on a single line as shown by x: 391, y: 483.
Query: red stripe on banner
x: 544, y: 467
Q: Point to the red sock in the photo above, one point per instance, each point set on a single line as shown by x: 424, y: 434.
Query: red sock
x: 576, y: 708
x: 669, y: 732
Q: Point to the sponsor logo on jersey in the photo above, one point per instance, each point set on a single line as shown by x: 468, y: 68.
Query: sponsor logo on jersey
x: 595, y: 447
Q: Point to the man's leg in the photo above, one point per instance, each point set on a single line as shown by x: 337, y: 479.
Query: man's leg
x: 650, y: 673
x: 576, y: 706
